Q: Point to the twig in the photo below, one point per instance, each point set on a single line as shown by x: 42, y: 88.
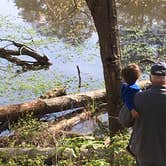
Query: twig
x: 75, y: 3
x: 31, y: 38
x: 147, y: 61
x: 16, y: 44
x: 79, y: 77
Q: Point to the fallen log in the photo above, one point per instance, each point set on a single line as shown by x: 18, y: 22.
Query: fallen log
x: 31, y: 152
x: 56, y: 92
x: 67, y: 124
x: 74, y: 100
x: 14, y: 111
x: 45, y: 106
x: 57, y: 104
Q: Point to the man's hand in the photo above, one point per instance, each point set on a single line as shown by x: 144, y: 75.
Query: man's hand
x: 134, y: 114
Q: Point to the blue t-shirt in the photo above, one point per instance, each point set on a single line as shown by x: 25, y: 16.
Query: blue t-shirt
x: 127, y: 93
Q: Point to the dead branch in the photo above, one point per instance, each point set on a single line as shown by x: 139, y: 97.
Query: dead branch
x: 22, y: 49
x: 79, y: 77
x: 69, y: 123
x: 32, y: 152
x: 149, y: 61
x: 56, y: 92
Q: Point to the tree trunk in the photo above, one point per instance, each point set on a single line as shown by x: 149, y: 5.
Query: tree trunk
x: 105, y: 19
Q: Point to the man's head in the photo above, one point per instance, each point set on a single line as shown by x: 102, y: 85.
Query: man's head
x: 131, y: 73
x: 158, y: 74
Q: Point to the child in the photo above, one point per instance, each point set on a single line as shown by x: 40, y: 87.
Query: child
x: 130, y: 75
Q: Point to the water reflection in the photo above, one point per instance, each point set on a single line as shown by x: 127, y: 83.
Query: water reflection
x: 65, y: 19
x: 98, y: 125
x: 8, y: 8
x: 71, y: 21
x: 141, y: 12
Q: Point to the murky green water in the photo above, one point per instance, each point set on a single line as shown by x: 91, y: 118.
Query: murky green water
x: 64, y: 31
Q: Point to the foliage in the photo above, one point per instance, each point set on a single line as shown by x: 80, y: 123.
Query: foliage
x: 74, y: 151
x: 118, y: 145
x: 89, y: 151
x: 21, y: 160
x: 26, y: 125
x: 28, y: 132
x: 139, y: 44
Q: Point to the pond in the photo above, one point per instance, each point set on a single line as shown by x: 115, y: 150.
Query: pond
x: 64, y: 31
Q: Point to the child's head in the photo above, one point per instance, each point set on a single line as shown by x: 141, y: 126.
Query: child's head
x: 131, y: 73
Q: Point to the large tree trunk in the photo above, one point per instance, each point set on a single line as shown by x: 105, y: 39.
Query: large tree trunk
x: 105, y: 19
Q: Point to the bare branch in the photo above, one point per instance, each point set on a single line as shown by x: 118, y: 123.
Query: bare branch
x: 147, y: 61
x: 22, y: 49
x: 79, y: 77
x: 75, y: 3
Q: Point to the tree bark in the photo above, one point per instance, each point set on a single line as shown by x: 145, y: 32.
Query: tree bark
x: 44, y: 106
x: 105, y: 20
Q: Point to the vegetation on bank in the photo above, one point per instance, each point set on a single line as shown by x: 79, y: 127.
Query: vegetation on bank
x: 89, y: 150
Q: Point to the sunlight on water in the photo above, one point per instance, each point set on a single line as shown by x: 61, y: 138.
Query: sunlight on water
x: 8, y: 8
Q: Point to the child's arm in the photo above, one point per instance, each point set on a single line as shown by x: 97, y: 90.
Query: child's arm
x: 129, y: 97
x: 129, y: 100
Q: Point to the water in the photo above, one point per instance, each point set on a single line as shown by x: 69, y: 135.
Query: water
x: 68, y: 37
x: 64, y: 56
x: 93, y: 125
x: 6, y: 133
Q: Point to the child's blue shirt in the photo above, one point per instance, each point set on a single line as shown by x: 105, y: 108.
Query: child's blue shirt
x: 127, y: 93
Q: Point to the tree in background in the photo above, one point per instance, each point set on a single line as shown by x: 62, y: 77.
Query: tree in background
x: 105, y: 20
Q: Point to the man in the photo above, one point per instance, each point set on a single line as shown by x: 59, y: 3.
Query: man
x: 149, y: 131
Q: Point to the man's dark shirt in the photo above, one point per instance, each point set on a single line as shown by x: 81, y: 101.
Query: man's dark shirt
x: 149, y: 130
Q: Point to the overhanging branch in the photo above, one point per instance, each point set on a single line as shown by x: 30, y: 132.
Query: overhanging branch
x: 21, y: 49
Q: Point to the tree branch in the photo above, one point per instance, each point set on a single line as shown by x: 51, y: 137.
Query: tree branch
x: 22, y: 49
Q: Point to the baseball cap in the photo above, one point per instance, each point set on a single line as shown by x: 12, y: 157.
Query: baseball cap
x: 159, y: 69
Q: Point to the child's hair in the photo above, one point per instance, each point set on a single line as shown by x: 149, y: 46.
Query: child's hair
x: 131, y: 73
